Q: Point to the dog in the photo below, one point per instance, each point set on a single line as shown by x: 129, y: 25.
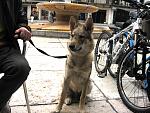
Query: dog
x: 78, y: 64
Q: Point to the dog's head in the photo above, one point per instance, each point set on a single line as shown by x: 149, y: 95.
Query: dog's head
x: 81, y: 41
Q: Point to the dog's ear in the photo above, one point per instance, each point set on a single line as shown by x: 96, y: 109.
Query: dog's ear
x: 89, y: 24
x: 72, y: 23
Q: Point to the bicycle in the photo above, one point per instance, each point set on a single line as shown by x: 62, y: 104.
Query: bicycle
x: 110, y: 48
x: 133, y: 79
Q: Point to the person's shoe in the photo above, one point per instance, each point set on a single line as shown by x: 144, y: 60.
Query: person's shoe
x: 6, y: 109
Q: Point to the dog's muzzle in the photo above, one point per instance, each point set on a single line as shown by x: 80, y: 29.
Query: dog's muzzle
x: 74, y: 48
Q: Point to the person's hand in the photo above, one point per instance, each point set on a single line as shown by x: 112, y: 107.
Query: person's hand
x: 23, y: 33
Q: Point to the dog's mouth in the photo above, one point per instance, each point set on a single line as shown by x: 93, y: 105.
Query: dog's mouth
x: 75, y: 48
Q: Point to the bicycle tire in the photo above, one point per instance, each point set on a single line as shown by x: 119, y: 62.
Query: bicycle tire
x: 100, y: 56
x: 130, y: 89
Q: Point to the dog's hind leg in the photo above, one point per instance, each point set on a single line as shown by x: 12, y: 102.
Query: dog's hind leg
x: 68, y: 100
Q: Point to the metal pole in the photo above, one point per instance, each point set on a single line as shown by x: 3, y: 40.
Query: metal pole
x: 26, y: 97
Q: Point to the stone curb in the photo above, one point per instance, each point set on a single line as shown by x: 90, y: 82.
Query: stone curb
x: 56, y: 34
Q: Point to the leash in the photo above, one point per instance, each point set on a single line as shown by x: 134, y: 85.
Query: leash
x: 43, y: 52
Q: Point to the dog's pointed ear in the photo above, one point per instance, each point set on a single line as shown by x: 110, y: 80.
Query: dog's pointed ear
x: 89, y: 24
x: 72, y: 23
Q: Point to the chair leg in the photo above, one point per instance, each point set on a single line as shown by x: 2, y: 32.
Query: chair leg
x: 26, y: 97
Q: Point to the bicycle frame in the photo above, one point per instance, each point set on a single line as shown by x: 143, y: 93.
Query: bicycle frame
x: 132, y: 28
x: 111, y: 42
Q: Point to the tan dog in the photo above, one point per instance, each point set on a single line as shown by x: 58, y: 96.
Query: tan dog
x: 78, y: 64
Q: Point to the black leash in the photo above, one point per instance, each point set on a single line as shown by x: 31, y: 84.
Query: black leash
x: 43, y: 52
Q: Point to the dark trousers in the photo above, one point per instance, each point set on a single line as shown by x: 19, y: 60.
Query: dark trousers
x: 16, y: 70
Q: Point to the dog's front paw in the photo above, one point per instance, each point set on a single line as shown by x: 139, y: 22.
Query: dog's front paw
x: 56, y: 111
x: 68, y: 101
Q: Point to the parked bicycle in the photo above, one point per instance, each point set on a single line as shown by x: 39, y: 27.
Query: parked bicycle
x: 133, y: 80
x: 111, y: 47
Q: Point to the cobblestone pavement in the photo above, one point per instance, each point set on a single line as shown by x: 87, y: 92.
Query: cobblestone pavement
x: 46, y: 77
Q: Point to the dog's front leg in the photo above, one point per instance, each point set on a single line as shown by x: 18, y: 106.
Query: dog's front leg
x: 83, y: 98
x: 63, y: 96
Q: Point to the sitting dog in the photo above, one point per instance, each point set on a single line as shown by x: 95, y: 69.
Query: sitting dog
x: 78, y: 64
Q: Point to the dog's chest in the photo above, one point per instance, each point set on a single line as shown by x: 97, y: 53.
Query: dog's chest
x: 79, y: 65
x: 78, y: 69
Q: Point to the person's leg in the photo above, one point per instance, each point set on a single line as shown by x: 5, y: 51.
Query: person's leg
x: 6, y: 108
x: 16, y: 70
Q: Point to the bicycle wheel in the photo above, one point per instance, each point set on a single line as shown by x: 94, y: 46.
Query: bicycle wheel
x: 100, y: 54
x: 129, y: 85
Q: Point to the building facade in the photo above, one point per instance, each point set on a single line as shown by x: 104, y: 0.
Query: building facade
x: 111, y: 11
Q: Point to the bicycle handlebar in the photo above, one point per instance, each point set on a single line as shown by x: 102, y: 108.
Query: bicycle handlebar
x: 137, y: 4
x: 130, y: 1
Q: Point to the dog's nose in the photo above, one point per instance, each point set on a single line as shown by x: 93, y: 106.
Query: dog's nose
x: 72, y: 47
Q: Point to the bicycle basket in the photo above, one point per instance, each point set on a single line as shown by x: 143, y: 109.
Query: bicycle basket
x: 146, y: 27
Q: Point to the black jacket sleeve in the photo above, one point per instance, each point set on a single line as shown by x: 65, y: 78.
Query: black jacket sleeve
x: 21, y: 16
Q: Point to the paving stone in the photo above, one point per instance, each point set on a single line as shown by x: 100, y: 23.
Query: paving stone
x: 119, y: 107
